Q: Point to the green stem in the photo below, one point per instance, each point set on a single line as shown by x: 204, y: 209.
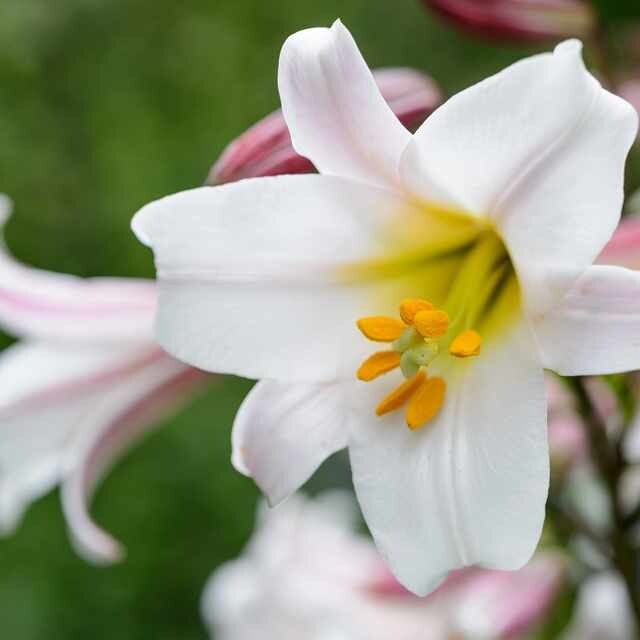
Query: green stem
x: 609, y: 462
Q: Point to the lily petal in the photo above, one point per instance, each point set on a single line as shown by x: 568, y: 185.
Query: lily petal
x: 249, y: 268
x: 44, y: 304
x: 283, y: 432
x: 131, y: 411
x: 456, y: 492
x: 336, y: 115
x: 50, y: 394
x: 540, y: 149
x: 265, y: 148
x: 594, y: 329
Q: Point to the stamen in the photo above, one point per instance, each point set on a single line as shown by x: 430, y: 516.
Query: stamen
x: 466, y: 344
x: 425, y: 402
x: 400, y: 395
x: 411, y: 306
x: 381, y: 328
x: 432, y: 324
x: 408, y: 338
x: 379, y: 363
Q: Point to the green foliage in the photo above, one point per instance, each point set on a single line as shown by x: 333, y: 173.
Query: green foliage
x: 618, y: 9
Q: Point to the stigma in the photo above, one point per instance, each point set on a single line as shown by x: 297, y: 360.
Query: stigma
x: 417, y: 338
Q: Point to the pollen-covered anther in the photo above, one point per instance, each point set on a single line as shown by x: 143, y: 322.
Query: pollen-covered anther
x: 381, y: 328
x: 401, y: 394
x: 378, y: 364
x: 411, y: 306
x: 466, y: 344
x: 432, y: 323
x: 425, y: 403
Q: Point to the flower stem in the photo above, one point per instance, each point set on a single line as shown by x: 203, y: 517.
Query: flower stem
x: 608, y: 459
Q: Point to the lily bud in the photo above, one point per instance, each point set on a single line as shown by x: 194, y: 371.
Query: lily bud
x: 265, y: 149
x: 518, y: 20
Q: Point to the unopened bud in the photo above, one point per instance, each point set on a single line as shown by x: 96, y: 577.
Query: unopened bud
x: 265, y: 149
x: 518, y: 20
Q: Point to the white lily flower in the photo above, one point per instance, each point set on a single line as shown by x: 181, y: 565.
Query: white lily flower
x: 84, y: 383
x: 486, y: 221
x: 306, y: 574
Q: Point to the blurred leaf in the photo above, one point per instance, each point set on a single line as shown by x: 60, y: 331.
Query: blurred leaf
x: 618, y: 9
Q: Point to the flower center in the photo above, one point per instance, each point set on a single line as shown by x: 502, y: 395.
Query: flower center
x: 424, y: 333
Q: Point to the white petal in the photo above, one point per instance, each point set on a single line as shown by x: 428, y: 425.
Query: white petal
x: 334, y: 110
x: 470, y: 487
x: 44, y: 304
x: 130, y: 410
x: 603, y: 610
x: 539, y: 148
x: 50, y: 394
x: 594, y: 328
x: 283, y: 432
x: 250, y: 273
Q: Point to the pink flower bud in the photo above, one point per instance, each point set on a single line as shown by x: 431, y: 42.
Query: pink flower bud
x: 623, y: 249
x: 518, y: 20
x: 265, y: 149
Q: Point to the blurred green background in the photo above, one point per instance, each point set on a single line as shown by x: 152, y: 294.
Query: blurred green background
x: 105, y: 105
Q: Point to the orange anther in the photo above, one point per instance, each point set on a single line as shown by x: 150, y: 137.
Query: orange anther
x: 425, y: 402
x: 431, y: 324
x: 411, y: 306
x: 381, y: 328
x: 466, y: 344
x: 401, y: 394
x: 379, y: 363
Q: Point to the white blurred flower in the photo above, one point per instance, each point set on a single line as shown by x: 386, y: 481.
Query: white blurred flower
x: 305, y: 575
x: 84, y: 382
x: 603, y: 611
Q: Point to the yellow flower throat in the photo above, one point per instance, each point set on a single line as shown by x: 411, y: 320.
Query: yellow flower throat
x: 424, y: 332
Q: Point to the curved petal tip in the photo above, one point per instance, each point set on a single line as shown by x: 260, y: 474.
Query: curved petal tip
x: 573, y: 45
x: 90, y: 541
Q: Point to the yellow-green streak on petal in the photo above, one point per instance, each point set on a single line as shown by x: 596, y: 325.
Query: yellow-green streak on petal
x: 422, y: 247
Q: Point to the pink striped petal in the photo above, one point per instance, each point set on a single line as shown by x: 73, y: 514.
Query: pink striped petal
x: 51, y: 394
x: 130, y: 413
x: 265, y: 149
x: 52, y: 305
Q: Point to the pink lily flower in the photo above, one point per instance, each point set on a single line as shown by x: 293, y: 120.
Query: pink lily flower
x: 84, y: 382
x: 331, y: 583
x: 266, y: 150
x: 518, y: 20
